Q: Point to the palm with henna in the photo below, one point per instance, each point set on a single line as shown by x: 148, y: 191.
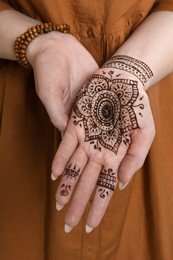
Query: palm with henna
x: 107, y: 139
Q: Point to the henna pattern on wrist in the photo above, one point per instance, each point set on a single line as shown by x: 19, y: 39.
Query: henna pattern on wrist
x: 131, y: 65
x: 70, y: 172
x: 106, y: 181
x: 105, y: 108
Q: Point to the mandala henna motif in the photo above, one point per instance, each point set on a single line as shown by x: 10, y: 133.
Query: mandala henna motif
x: 106, y: 180
x: 105, y: 108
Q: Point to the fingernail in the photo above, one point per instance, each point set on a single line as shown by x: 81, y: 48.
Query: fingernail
x: 122, y: 186
x: 88, y: 229
x: 59, y: 207
x: 62, y: 135
x: 67, y: 228
x: 53, y: 177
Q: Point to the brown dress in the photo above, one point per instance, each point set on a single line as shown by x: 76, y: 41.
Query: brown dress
x: 138, y: 224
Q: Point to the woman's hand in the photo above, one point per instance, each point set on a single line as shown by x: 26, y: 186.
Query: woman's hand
x: 107, y: 139
x: 61, y: 66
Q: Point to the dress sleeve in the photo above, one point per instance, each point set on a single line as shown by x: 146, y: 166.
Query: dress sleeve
x: 164, y: 5
x: 4, y: 6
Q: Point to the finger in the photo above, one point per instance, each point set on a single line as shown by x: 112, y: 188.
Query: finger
x: 106, y: 185
x: 135, y: 157
x: 64, y: 152
x: 83, y: 191
x: 72, y: 172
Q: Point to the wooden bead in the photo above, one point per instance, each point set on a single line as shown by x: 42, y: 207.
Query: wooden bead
x: 24, y: 39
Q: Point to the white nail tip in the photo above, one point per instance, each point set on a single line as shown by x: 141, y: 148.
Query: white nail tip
x: 122, y: 186
x: 67, y: 228
x: 88, y: 229
x: 53, y: 177
x: 59, y: 207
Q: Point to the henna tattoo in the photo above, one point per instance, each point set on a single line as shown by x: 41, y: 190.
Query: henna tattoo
x: 105, y: 108
x: 72, y: 173
x: 65, y: 189
x: 106, y: 180
x: 132, y: 65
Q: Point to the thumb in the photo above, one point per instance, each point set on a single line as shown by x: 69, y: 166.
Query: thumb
x: 135, y: 157
x: 57, y: 112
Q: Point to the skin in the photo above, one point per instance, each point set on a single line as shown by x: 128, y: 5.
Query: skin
x: 67, y: 74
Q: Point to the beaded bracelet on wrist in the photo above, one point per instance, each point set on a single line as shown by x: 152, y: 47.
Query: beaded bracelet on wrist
x: 24, y: 39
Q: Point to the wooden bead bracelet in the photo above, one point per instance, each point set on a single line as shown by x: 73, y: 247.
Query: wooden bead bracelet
x: 24, y: 39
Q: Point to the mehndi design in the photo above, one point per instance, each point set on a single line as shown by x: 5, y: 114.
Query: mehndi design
x: 131, y: 65
x: 105, y: 108
x: 70, y: 172
x: 106, y: 181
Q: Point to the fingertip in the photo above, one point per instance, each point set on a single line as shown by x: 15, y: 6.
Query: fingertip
x: 122, y: 186
x: 53, y: 177
x: 88, y: 229
x: 67, y: 228
x: 59, y: 207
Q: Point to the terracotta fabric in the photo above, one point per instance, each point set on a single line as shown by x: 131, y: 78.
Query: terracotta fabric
x: 138, y: 224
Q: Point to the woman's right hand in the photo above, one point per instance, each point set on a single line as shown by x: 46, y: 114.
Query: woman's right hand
x: 61, y: 66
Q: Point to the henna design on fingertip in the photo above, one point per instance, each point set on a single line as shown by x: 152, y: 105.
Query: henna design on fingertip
x: 106, y: 180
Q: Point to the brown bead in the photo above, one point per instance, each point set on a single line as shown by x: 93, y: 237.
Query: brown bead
x: 34, y: 29
x: 35, y: 34
x: 26, y: 34
x: 30, y: 31
x: 22, y: 36
x: 23, y: 46
x: 28, y: 39
x: 24, y: 39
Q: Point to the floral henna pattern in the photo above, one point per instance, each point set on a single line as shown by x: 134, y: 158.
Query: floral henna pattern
x: 70, y: 172
x: 106, y: 181
x: 105, y: 108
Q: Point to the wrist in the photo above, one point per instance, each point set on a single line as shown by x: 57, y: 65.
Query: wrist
x: 131, y: 68
x: 23, y: 42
